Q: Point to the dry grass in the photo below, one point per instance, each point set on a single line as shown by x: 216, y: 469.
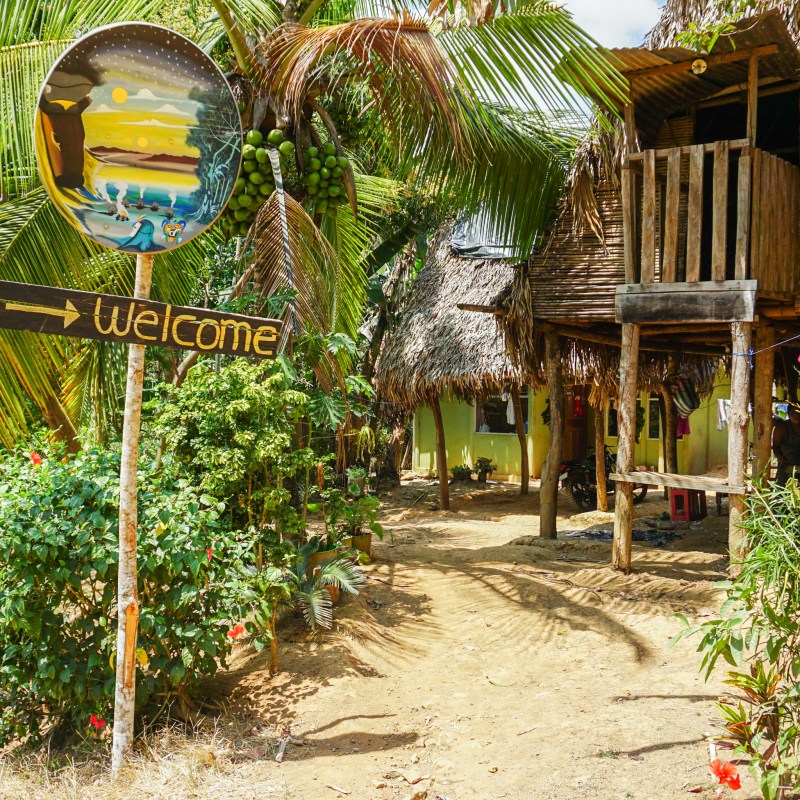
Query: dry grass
x: 173, y: 762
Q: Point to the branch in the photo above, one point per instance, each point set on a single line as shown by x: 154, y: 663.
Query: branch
x: 244, y: 57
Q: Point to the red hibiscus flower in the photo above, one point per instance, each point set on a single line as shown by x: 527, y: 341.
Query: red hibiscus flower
x: 236, y: 631
x: 209, y: 552
x: 98, y: 723
x: 727, y: 774
x: 36, y: 459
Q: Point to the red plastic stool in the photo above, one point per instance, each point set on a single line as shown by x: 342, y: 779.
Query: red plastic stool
x: 687, y: 505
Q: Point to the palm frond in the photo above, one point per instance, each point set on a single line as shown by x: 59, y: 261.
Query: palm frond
x: 315, y: 603
x: 343, y: 574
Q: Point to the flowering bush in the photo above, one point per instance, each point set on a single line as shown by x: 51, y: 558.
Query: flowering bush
x: 58, y: 573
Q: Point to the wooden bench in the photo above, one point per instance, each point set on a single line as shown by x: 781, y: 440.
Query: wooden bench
x: 700, y: 483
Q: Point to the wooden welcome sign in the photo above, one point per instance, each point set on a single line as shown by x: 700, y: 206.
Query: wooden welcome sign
x: 138, y: 142
x: 67, y: 312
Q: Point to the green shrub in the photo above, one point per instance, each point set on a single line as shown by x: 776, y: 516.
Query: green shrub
x: 758, y: 634
x: 58, y: 571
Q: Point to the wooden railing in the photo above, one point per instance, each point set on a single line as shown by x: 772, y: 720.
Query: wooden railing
x: 712, y: 212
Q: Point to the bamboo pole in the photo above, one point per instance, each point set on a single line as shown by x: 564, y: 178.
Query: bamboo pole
x: 626, y: 423
x: 548, y: 491
x: 738, y: 420
x: 600, y: 454
x: 519, y: 423
x: 441, y: 454
x: 127, y: 590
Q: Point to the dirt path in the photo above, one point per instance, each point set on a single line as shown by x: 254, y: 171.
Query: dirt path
x: 497, y: 671
x: 474, y: 669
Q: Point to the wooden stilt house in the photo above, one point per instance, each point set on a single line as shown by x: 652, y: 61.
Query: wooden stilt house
x: 701, y: 249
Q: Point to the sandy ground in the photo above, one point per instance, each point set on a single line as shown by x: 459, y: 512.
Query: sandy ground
x: 469, y: 668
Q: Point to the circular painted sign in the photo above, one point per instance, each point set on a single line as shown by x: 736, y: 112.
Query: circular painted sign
x: 138, y: 138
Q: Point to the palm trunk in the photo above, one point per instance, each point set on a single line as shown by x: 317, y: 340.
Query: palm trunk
x: 441, y: 454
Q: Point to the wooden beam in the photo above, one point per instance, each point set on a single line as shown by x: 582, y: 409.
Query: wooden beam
x: 441, y: 455
x: 629, y: 224
x: 733, y: 144
x: 695, y: 213
x: 703, y: 301
x: 519, y: 424
x: 762, y: 401
x: 671, y: 220
x: 719, y: 211
x: 711, y: 60
x: 700, y: 483
x: 752, y: 98
x: 738, y: 419
x: 648, y: 270
x: 600, y: 454
x: 743, y: 216
x: 548, y: 492
x: 626, y: 430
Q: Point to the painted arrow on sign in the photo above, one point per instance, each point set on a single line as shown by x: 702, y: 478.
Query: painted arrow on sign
x: 67, y: 312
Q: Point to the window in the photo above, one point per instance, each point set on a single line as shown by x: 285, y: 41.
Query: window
x: 492, y: 413
x: 611, y: 427
x: 653, y: 417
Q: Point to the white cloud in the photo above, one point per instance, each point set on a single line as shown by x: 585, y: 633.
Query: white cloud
x: 615, y: 23
x: 151, y: 123
x: 168, y: 108
x: 102, y: 109
x: 143, y: 94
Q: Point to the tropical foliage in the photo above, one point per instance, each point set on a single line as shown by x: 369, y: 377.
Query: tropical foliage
x: 419, y: 103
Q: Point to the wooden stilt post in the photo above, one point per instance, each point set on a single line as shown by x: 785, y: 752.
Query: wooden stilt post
x: 762, y: 402
x: 127, y: 588
x: 738, y: 419
x: 626, y: 430
x: 600, y: 454
x: 670, y: 420
x: 441, y: 455
x: 548, y: 493
x: 519, y: 423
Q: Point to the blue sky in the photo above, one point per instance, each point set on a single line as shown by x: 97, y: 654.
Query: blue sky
x: 615, y: 23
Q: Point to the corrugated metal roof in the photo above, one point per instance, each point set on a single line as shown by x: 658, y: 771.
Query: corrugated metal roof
x: 660, y: 95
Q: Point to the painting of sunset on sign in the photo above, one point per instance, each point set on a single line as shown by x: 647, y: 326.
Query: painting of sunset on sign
x: 138, y: 137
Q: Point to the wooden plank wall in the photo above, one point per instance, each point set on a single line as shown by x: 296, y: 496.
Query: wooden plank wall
x: 575, y: 276
x: 775, y: 224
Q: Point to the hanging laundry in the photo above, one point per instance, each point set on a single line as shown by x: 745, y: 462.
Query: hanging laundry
x: 682, y: 427
x: 723, y: 407
x: 510, y: 416
x: 685, y: 396
x: 577, y: 406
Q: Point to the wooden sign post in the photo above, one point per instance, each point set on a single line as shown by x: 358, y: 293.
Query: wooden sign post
x: 127, y: 575
x: 138, y: 142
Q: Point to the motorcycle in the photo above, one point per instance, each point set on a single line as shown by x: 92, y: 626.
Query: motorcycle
x: 579, y: 479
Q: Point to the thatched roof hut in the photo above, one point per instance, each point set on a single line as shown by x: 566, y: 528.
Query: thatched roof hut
x: 438, y: 348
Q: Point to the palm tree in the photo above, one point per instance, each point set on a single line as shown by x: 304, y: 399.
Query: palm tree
x: 430, y: 93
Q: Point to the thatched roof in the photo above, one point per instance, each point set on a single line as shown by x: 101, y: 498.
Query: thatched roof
x: 436, y: 348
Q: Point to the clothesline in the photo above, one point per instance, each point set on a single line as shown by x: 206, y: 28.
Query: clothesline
x: 752, y: 352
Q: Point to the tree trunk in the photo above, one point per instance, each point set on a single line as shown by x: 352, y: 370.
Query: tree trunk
x: 600, y: 455
x: 738, y: 420
x: 548, y: 492
x: 127, y: 589
x: 58, y: 419
x: 523, y: 441
x: 441, y: 455
x: 626, y: 425
x: 762, y: 403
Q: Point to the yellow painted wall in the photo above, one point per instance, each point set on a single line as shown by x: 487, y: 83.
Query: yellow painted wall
x: 704, y: 448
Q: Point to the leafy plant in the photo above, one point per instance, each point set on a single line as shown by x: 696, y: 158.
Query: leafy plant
x: 356, y: 474
x: 758, y: 633
x: 58, y: 570
x: 483, y: 464
x: 462, y: 472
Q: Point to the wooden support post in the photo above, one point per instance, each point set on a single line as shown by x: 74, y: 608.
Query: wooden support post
x: 752, y: 99
x: 738, y: 419
x: 127, y: 577
x: 670, y: 418
x: 548, y: 493
x: 600, y: 454
x: 441, y: 455
x: 762, y: 402
x: 626, y: 430
x: 519, y: 423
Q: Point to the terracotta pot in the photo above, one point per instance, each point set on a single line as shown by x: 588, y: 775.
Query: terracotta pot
x: 363, y: 543
x: 320, y: 558
x: 482, y: 476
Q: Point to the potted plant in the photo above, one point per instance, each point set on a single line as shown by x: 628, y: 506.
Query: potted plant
x: 462, y: 473
x: 326, y: 546
x: 484, y: 468
x: 360, y: 522
x: 357, y: 476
